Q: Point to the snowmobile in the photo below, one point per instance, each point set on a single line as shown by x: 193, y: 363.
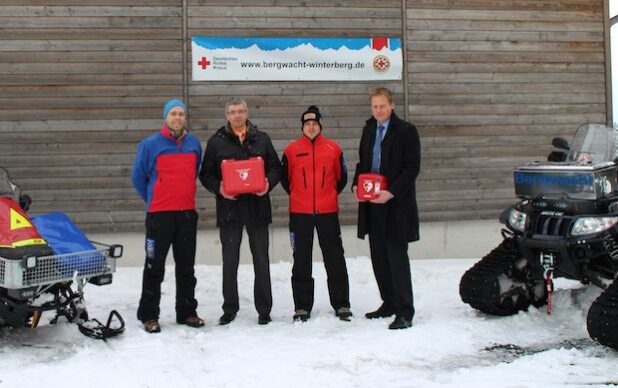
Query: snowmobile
x: 565, y: 225
x: 45, y: 263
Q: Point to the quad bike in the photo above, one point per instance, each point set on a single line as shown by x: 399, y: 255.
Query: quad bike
x: 566, y: 225
x: 45, y: 263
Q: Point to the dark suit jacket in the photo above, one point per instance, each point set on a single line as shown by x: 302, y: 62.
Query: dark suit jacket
x: 247, y: 208
x: 401, y: 162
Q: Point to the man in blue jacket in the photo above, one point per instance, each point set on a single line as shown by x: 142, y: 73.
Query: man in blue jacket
x: 164, y: 175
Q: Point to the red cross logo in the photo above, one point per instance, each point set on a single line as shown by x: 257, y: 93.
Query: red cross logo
x: 204, y: 62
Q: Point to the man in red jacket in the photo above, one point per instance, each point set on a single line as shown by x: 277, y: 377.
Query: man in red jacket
x: 314, y: 173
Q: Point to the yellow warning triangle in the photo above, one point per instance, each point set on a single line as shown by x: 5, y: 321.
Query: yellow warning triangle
x: 19, y: 221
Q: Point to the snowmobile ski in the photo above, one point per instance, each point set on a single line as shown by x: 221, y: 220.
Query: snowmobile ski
x: 93, y: 328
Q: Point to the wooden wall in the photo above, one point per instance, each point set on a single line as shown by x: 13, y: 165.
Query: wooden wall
x: 80, y: 85
x: 488, y: 83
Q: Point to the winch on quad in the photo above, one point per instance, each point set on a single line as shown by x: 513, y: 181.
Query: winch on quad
x: 45, y: 263
x: 566, y: 225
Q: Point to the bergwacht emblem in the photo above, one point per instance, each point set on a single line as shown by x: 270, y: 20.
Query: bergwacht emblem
x: 381, y: 63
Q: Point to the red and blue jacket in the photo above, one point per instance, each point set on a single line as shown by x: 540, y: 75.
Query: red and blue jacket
x: 314, y: 173
x: 165, y: 171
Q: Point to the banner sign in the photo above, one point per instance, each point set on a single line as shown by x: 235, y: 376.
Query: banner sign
x: 296, y: 59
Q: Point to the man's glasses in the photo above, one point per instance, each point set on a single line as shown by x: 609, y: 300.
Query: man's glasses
x: 236, y: 112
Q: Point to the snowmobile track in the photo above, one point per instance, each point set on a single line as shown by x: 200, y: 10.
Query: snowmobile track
x: 602, y: 320
x: 479, y: 286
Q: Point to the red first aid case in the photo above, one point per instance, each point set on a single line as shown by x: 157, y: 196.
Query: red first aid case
x: 243, y: 176
x: 369, y: 184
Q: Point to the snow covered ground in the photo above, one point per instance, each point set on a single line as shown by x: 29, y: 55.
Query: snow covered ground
x: 449, y: 345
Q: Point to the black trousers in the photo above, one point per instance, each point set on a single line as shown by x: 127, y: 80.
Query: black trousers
x: 164, y: 229
x: 391, y: 265
x: 231, y: 237
x: 329, y: 236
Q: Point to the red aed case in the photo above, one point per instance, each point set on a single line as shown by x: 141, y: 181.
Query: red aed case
x: 243, y: 176
x: 369, y: 184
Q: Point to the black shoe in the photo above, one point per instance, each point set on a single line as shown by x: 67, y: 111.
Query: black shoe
x: 226, y: 318
x: 344, y: 313
x: 400, y: 323
x: 382, y: 312
x: 301, y: 315
x: 264, y: 319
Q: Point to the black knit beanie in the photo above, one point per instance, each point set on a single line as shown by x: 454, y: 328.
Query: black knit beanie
x: 312, y: 113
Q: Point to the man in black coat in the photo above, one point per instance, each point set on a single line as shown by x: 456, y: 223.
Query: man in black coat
x: 390, y: 146
x: 238, y: 140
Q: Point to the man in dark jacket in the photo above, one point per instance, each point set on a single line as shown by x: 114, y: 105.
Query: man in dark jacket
x: 164, y: 175
x: 390, y: 146
x: 239, y: 140
x: 314, y: 173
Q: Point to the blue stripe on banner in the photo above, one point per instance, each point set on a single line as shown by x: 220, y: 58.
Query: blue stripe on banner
x: 269, y: 44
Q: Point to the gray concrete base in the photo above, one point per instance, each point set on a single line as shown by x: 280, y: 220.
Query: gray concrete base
x: 457, y: 239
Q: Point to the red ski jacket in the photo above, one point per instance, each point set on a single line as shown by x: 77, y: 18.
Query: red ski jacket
x: 314, y: 173
x: 165, y: 171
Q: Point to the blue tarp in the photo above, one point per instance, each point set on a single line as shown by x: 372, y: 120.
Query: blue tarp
x: 64, y: 237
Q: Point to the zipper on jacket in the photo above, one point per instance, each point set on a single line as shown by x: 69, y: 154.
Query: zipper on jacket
x: 313, y: 158
x: 304, y: 178
x: 323, y: 176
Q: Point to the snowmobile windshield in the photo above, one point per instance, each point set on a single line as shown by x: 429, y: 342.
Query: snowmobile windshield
x: 8, y: 188
x: 593, y: 144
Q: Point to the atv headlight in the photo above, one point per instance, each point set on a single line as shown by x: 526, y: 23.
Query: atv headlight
x: 517, y: 220
x: 590, y: 225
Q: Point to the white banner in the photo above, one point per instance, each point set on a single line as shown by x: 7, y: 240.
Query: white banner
x: 296, y: 59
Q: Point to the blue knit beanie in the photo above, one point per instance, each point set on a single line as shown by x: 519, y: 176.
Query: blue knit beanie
x: 172, y: 104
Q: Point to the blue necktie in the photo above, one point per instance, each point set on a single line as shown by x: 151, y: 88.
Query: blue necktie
x: 377, y: 150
